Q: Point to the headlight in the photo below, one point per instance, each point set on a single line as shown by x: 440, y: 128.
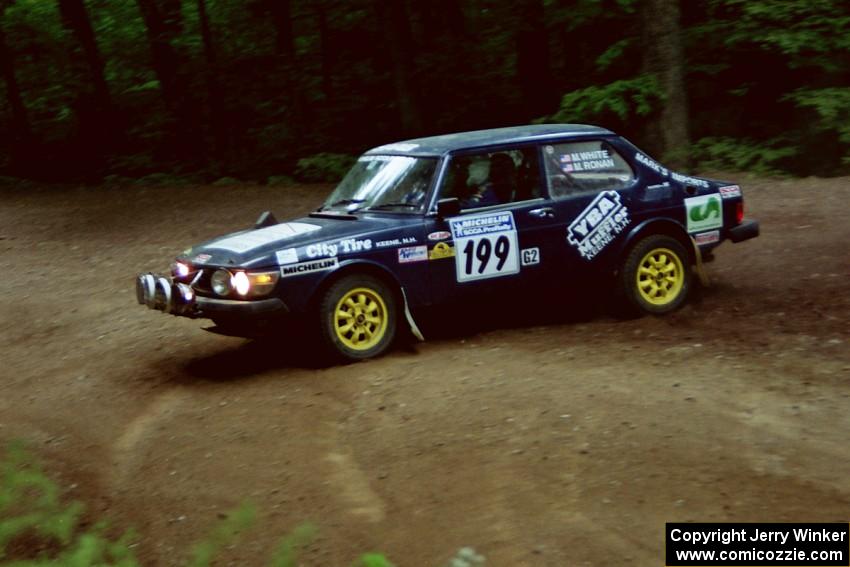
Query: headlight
x: 255, y: 284
x: 220, y: 282
x: 245, y: 284
x: 241, y: 283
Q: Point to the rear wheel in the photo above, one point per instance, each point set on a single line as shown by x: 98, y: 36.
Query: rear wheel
x: 357, y: 317
x: 656, y: 274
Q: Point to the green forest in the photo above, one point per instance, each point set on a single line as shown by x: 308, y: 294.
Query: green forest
x: 264, y: 89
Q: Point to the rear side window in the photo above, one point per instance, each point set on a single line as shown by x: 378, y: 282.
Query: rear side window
x: 585, y: 167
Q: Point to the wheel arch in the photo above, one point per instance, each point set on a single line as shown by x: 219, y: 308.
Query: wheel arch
x: 360, y: 267
x: 663, y: 226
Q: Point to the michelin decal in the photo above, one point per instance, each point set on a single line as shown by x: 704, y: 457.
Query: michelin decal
x: 598, y: 224
x: 308, y: 267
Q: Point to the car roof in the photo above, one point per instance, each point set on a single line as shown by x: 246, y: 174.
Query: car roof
x: 441, y: 145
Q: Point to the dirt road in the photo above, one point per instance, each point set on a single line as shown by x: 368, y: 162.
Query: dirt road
x: 567, y: 443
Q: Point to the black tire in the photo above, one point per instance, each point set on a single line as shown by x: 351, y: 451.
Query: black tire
x: 664, y: 282
x: 371, y: 300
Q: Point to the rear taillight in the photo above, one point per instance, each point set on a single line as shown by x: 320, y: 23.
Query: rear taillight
x: 739, y: 212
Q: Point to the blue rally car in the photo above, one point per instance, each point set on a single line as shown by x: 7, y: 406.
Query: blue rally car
x: 429, y: 221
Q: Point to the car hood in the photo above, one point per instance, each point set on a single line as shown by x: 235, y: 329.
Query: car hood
x: 290, y: 241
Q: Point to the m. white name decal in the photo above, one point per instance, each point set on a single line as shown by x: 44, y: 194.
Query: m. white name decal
x: 598, y: 224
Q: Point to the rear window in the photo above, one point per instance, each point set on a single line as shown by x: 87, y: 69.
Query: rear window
x: 585, y: 167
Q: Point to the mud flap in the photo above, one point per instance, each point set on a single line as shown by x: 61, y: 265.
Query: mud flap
x: 698, y: 265
x: 409, y: 316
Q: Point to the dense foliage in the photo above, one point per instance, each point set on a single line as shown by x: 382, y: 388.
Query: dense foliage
x: 254, y: 89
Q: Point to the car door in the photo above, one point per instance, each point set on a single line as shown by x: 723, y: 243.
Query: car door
x: 496, y: 244
x: 590, y: 185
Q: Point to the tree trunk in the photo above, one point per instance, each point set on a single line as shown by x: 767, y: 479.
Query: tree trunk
x: 326, y: 51
x: 21, y: 142
x: 214, y: 93
x: 532, y: 68
x: 163, y: 25
x: 395, y: 23
x: 663, y: 56
x: 76, y: 19
x: 98, y: 127
x: 285, y: 38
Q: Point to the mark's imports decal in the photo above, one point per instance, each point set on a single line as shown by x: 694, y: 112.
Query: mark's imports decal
x: 707, y: 237
x: 486, y: 246
x: 598, y: 224
x: 678, y: 177
x: 307, y: 267
x: 695, y: 181
x: 288, y: 256
x: 395, y: 242
x: 441, y: 250
x: 412, y: 254
x: 245, y: 241
x: 653, y: 165
x: 730, y: 191
x: 440, y: 235
x: 703, y: 212
x: 329, y: 250
x: 530, y: 256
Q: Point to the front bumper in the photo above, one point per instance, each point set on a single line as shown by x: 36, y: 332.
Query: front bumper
x: 162, y: 293
x: 744, y: 231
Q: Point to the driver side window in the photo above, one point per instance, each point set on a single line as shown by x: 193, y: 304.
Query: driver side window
x: 493, y: 178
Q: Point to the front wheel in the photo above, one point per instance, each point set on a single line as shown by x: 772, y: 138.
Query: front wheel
x: 656, y: 274
x: 357, y: 317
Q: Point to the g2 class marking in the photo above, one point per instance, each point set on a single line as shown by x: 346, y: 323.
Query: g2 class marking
x: 530, y: 256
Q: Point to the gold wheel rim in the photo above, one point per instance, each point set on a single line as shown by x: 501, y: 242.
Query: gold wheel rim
x: 660, y: 277
x: 360, y: 318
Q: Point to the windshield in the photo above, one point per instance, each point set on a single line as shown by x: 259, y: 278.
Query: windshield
x: 391, y: 183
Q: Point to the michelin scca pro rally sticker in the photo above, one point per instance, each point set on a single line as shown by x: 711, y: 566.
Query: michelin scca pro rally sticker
x: 486, y: 246
x: 598, y: 224
x: 704, y: 212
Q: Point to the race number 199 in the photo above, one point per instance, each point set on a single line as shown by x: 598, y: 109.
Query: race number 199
x: 487, y: 247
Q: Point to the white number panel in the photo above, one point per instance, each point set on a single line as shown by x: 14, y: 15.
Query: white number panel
x: 486, y: 246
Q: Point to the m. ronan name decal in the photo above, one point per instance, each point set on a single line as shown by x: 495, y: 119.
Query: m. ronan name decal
x: 598, y: 224
x: 308, y: 267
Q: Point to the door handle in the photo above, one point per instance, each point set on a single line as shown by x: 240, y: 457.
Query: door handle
x: 542, y: 213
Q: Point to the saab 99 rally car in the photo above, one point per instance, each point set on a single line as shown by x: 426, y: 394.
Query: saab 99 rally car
x: 424, y: 222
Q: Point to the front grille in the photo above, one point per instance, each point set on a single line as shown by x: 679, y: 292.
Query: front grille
x: 202, y: 285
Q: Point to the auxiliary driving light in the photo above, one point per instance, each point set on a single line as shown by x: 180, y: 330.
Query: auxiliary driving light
x: 180, y: 269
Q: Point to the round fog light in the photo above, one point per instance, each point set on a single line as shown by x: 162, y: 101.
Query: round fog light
x: 220, y: 282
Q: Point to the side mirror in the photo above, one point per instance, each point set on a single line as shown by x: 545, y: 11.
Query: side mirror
x: 449, y: 207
